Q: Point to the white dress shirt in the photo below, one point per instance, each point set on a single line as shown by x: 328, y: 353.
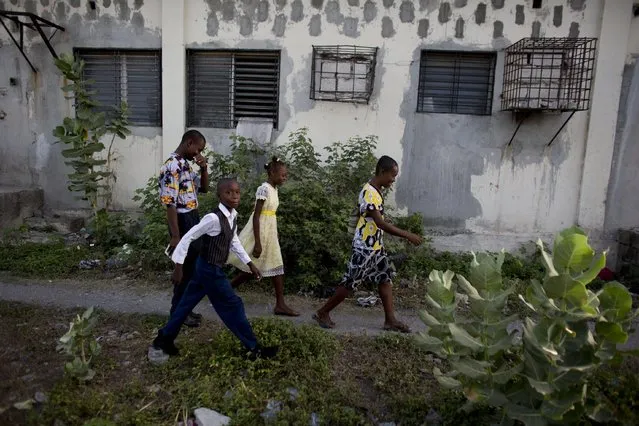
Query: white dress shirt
x: 210, y: 225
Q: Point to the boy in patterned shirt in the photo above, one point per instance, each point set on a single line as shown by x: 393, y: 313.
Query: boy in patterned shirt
x: 179, y: 186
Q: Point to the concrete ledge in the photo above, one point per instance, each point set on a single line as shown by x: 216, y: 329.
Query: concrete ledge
x: 514, y: 242
x: 17, y: 204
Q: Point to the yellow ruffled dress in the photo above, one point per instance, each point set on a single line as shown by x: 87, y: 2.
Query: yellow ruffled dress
x: 270, y: 262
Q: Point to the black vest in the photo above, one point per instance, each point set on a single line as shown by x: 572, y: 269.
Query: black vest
x: 215, y: 250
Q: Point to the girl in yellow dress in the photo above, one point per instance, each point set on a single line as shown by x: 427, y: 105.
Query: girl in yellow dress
x: 259, y: 237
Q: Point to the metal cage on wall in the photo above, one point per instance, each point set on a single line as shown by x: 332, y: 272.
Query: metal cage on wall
x: 343, y: 73
x: 549, y: 74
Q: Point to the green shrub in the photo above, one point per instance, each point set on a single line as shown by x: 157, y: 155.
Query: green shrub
x: 314, y: 204
x: 80, y: 344
x: 49, y: 260
x: 542, y: 377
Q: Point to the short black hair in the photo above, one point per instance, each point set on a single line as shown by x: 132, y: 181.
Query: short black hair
x: 274, y: 164
x: 221, y: 184
x: 192, y: 135
x: 384, y: 164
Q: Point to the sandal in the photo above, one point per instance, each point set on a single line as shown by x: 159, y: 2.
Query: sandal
x: 323, y: 323
x: 286, y: 314
x: 398, y: 327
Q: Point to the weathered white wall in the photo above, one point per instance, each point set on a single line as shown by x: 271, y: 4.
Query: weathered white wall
x: 455, y: 169
x: 622, y: 204
x: 36, y: 105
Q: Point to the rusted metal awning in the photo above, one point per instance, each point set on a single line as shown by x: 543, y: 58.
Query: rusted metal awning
x: 32, y: 22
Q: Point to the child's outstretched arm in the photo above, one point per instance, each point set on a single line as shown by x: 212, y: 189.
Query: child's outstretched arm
x: 392, y: 229
x: 259, y: 205
x: 238, y: 249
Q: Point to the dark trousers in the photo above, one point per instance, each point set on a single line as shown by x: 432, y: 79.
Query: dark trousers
x: 186, y: 221
x: 210, y: 280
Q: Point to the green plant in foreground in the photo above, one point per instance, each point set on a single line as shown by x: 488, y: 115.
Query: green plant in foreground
x: 570, y: 332
x: 92, y: 176
x: 79, y: 343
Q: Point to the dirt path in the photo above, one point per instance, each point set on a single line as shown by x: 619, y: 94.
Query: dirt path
x: 119, y: 297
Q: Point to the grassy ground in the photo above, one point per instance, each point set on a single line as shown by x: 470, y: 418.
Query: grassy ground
x: 343, y: 380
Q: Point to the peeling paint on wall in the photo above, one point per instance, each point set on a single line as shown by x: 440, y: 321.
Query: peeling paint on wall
x: 422, y: 28
x: 407, y: 12
x: 297, y: 11
x: 480, y: 13
x: 315, y: 26
x: 574, y: 30
x: 445, y: 13
x: 387, y: 27
x: 557, y: 16
x: 370, y: 11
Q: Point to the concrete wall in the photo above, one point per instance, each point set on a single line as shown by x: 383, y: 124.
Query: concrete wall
x: 455, y: 169
x: 36, y: 105
x: 622, y: 207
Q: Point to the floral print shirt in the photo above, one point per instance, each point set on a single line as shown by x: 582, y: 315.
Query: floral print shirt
x: 367, y: 235
x: 178, y: 184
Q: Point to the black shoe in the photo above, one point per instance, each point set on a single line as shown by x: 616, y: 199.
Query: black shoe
x: 166, y: 345
x: 196, y: 316
x: 263, y: 352
x: 191, y: 321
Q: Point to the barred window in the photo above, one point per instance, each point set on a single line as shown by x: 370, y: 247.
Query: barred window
x: 456, y: 82
x: 224, y: 86
x: 343, y: 73
x: 132, y: 76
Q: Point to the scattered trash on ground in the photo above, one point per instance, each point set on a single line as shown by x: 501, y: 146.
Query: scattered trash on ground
x: 368, y: 301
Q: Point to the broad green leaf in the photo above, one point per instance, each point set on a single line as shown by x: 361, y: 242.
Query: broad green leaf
x: 440, y: 287
x: 593, y: 271
x: 467, y: 287
x: 543, y: 388
x: 563, y: 287
x: 528, y: 416
x: 571, y: 253
x: 462, y: 337
x: 429, y: 340
x: 556, y: 407
x: 471, y: 368
x: 432, y: 303
x: 485, y: 272
x: 548, y: 262
x: 505, y: 374
x: 428, y: 319
x: 599, y: 413
x: 501, y: 345
x: 615, y: 301
x: 446, y: 381
x: 611, y: 331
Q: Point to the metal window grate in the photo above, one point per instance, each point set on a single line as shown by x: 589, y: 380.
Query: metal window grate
x: 224, y: 86
x: 549, y: 74
x: 133, y: 76
x: 343, y: 73
x: 456, y: 82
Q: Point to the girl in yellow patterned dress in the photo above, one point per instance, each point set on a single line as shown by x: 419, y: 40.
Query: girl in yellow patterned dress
x: 259, y: 237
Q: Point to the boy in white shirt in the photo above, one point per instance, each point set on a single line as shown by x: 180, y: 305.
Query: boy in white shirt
x: 218, y: 231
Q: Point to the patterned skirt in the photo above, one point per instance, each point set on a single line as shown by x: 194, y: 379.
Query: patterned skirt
x: 368, y: 266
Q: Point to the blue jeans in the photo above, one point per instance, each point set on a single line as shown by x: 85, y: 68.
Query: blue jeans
x: 210, y: 280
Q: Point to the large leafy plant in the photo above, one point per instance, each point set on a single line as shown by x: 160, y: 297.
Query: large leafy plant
x: 92, y: 175
x: 79, y: 343
x: 540, y: 375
